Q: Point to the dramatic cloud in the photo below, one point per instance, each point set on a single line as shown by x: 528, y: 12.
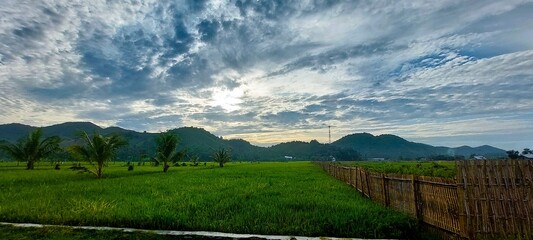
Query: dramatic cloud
x: 445, y: 73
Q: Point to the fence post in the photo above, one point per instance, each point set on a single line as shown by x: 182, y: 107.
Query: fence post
x: 346, y: 178
x: 414, y: 181
x: 350, y: 176
x: 384, y: 190
x: 368, y: 185
x: 464, y: 212
x: 355, y: 178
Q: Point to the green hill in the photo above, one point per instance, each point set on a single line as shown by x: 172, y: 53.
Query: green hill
x: 201, y: 143
x: 13, y: 131
x: 394, y: 147
x: 196, y: 142
x: 385, y: 146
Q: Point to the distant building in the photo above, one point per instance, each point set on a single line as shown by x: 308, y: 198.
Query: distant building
x: 377, y: 159
x: 528, y: 156
x: 479, y: 158
x: 288, y: 157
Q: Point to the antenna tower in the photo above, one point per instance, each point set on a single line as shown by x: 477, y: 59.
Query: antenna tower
x: 329, y: 133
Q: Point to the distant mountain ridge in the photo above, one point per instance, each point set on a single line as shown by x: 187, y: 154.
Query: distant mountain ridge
x: 199, y: 142
x: 394, y: 147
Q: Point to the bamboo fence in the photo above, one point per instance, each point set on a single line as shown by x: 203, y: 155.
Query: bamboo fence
x: 486, y: 199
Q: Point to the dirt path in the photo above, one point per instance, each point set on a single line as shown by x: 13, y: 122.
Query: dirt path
x: 193, y: 234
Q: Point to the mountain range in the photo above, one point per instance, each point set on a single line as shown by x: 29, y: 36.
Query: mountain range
x: 201, y: 143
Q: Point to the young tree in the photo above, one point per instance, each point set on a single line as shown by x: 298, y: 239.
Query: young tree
x: 167, y: 143
x: 98, y: 150
x: 221, y: 156
x: 31, y: 149
x: 194, y: 159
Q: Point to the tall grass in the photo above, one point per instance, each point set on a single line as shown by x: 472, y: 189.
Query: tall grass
x: 266, y: 198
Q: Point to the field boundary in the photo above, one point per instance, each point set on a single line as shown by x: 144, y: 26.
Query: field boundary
x: 214, y: 235
x: 487, y: 198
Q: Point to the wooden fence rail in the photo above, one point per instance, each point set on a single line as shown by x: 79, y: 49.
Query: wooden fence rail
x: 487, y: 198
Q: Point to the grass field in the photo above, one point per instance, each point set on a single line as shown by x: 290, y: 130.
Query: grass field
x: 295, y: 198
x: 445, y: 169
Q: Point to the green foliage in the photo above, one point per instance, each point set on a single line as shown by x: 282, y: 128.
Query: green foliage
x: 194, y: 159
x: 221, y: 157
x: 527, y: 151
x: 313, y: 151
x: 443, y: 169
x: 166, y: 149
x: 97, y: 150
x: 268, y: 198
x: 31, y: 149
x: 512, y: 154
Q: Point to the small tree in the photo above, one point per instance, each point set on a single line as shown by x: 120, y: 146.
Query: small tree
x: 527, y: 151
x: 512, y: 154
x: 31, y: 149
x: 221, y: 156
x: 98, y: 150
x: 167, y: 143
x: 194, y: 159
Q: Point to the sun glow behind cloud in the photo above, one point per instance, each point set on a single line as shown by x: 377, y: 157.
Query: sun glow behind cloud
x: 229, y: 100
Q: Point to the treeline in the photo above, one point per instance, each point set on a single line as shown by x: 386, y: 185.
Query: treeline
x: 196, y: 143
x: 241, y: 150
x: 199, y: 143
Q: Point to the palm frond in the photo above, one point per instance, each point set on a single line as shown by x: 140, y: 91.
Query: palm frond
x: 31, y: 149
x: 167, y: 143
x: 98, y: 149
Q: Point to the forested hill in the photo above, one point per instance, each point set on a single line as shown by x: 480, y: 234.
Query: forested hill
x: 196, y: 142
x: 394, y: 147
x: 201, y: 143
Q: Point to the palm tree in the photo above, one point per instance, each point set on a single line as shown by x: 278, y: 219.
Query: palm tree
x: 221, y: 156
x: 98, y: 149
x: 31, y: 149
x: 166, y: 149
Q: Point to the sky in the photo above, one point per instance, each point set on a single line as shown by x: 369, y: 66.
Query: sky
x: 445, y: 73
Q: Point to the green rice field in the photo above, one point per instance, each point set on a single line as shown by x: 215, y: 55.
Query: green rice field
x: 295, y: 198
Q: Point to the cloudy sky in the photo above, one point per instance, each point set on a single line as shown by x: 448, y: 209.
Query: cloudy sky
x: 440, y: 72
